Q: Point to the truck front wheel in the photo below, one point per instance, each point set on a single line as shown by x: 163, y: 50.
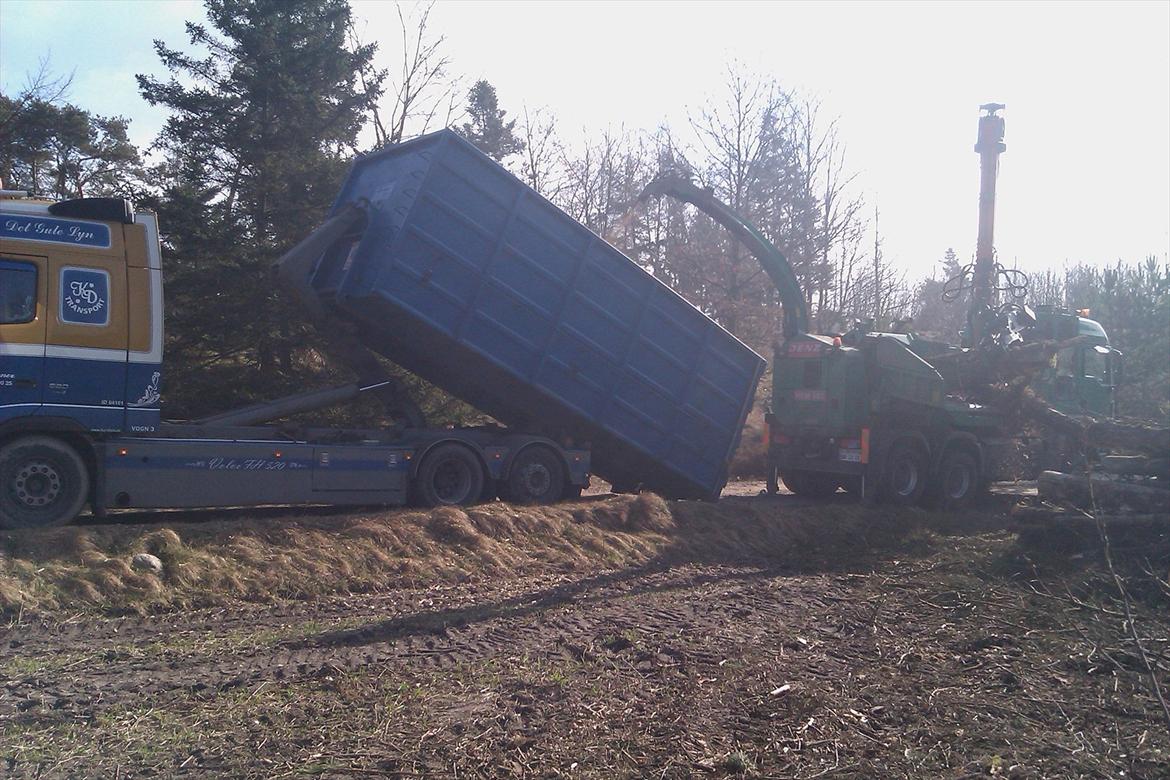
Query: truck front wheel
x: 43, y: 483
x: 904, y: 475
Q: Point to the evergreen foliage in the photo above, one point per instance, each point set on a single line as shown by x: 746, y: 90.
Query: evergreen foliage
x: 261, y: 129
x: 488, y: 130
x: 62, y: 151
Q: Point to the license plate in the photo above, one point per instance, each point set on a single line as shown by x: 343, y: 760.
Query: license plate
x: 852, y: 456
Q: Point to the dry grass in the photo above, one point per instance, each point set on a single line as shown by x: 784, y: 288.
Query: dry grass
x: 233, y: 557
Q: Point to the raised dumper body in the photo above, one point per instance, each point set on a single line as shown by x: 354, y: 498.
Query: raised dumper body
x: 470, y: 279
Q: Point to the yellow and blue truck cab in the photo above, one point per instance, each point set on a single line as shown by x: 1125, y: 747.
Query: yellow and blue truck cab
x: 81, y: 324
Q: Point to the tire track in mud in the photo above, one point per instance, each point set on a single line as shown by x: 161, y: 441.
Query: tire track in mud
x: 684, y: 613
x: 96, y: 632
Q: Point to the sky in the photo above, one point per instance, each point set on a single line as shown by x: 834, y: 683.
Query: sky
x: 1086, y: 175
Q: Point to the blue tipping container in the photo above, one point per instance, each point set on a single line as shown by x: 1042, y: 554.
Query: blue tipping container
x: 467, y: 277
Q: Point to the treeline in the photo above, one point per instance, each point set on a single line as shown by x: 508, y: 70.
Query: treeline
x: 281, y: 94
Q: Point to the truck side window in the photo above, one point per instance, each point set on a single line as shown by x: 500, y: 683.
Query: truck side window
x: 18, y: 292
x: 1095, y: 364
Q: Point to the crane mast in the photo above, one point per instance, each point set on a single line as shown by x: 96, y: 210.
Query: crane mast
x: 989, y: 146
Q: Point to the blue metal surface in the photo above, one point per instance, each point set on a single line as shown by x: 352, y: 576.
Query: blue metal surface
x: 470, y: 279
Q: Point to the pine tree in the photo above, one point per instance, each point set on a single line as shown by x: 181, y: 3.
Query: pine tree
x: 257, y: 142
x: 63, y: 151
x: 487, y: 129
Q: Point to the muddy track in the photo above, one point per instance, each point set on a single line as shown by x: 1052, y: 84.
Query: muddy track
x: 941, y: 662
x: 574, y: 618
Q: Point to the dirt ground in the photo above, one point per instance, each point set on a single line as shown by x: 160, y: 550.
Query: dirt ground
x: 840, y: 642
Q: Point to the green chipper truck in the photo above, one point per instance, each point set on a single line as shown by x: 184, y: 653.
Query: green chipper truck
x: 884, y: 414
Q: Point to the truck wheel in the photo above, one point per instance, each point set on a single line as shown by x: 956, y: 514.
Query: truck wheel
x: 43, y: 483
x: 536, y: 477
x: 810, y: 484
x: 958, y: 481
x: 904, y: 475
x: 450, y: 475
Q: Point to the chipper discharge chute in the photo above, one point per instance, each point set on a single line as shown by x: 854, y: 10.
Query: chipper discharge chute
x: 456, y: 270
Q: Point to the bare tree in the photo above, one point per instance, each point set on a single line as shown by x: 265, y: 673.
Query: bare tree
x: 422, y: 92
x: 540, y: 163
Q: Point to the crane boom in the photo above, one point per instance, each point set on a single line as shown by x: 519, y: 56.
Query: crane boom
x: 989, y: 146
x: 774, y: 262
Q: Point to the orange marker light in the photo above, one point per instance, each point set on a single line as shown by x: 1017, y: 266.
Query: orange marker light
x: 123, y: 451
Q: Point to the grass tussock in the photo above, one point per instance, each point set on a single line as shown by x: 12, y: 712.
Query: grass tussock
x: 238, y: 556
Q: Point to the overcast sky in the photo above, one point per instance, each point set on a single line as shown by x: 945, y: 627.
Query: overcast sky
x: 1087, y: 87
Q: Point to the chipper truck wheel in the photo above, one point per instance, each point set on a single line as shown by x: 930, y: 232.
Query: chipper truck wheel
x: 450, y: 475
x: 537, y: 476
x: 958, y: 481
x: 43, y: 483
x: 810, y: 484
x: 903, y: 477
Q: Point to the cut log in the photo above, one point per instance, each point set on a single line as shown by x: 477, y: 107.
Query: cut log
x: 1138, y: 465
x: 1040, y: 516
x: 1098, y: 491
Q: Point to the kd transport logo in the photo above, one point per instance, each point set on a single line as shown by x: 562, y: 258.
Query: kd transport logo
x: 86, y: 297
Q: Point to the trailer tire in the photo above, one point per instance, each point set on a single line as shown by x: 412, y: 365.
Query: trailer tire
x: 903, y: 477
x: 536, y: 476
x: 809, y: 484
x: 43, y: 483
x: 958, y: 481
x: 449, y: 475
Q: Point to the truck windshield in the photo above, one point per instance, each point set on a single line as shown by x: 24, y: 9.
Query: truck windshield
x: 18, y: 292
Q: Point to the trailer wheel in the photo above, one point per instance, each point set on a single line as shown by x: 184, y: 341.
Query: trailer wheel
x: 450, y: 475
x: 43, y: 483
x: 809, y: 484
x: 537, y: 476
x: 903, y: 475
x: 958, y: 481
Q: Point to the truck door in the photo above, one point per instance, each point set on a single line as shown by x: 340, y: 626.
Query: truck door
x: 23, y: 287
x: 86, y: 341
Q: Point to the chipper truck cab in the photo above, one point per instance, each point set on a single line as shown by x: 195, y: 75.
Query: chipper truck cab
x: 433, y: 257
x: 871, y: 412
